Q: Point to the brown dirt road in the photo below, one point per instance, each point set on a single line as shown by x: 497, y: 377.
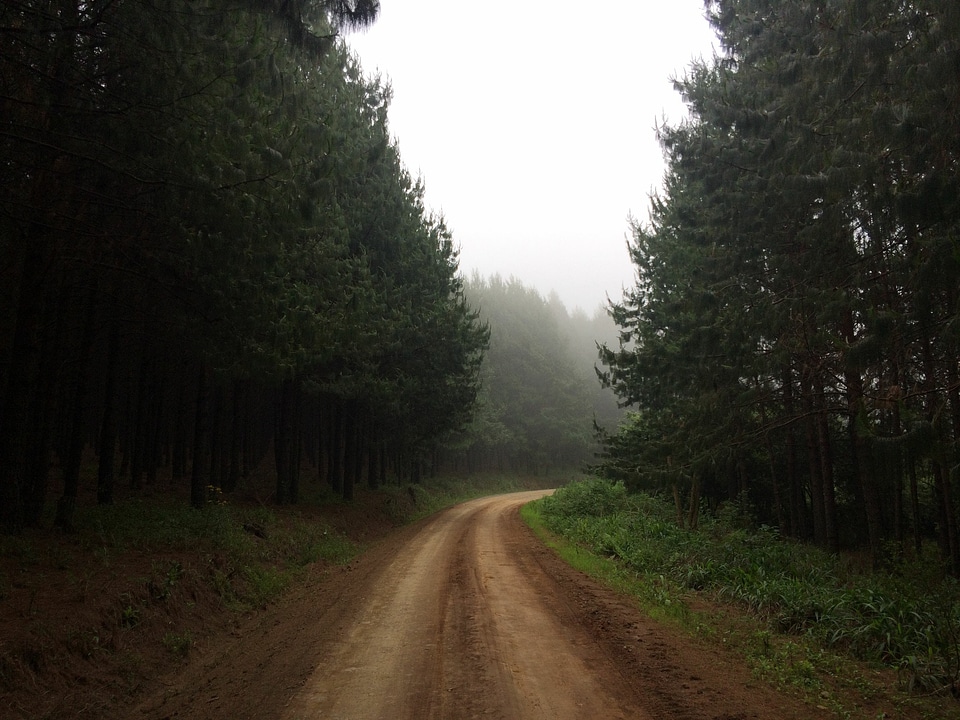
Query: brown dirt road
x: 464, y: 615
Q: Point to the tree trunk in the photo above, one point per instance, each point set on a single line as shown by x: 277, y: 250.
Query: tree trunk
x: 778, y: 508
x: 350, y: 451
x: 915, y: 508
x: 323, y: 435
x: 108, y: 421
x: 871, y: 497
x: 22, y: 370
x: 198, y: 479
x: 816, y: 470
x: 373, y: 466
x: 948, y: 520
x: 678, y: 504
x: 860, y: 446
x: 361, y: 452
x: 71, y: 466
x: 236, y: 430
x: 216, y: 436
x: 795, y: 502
x: 152, y: 457
x: 138, y: 448
x: 831, y: 538
x: 337, y: 433
x: 39, y: 420
x: 382, y: 464
x: 693, y: 515
x: 283, y: 442
x: 178, y: 460
x: 949, y: 541
x: 898, y: 470
x: 296, y: 445
x: 49, y: 198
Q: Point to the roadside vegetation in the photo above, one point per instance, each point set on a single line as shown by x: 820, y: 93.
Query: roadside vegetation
x: 803, y: 618
x: 793, y: 334
x: 90, y: 619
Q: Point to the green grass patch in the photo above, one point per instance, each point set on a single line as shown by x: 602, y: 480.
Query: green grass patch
x: 802, y: 618
x: 253, y: 552
x: 179, y: 643
x: 657, y: 596
x: 265, y: 583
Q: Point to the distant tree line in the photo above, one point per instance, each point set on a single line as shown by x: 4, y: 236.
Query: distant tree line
x: 210, y: 250
x: 793, y: 340
x: 539, y: 397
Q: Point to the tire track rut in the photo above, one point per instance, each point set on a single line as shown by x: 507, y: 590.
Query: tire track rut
x: 466, y: 615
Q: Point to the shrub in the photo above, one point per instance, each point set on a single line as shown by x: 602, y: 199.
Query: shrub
x: 588, y: 498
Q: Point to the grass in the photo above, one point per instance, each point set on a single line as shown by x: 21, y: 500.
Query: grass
x: 253, y: 552
x: 154, y: 574
x: 179, y: 643
x: 657, y: 597
x: 801, y: 618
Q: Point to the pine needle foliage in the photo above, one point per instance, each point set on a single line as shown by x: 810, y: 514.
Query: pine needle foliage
x: 206, y: 219
x: 791, y: 341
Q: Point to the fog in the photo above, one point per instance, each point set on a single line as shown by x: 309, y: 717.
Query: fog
x: 534, y: 128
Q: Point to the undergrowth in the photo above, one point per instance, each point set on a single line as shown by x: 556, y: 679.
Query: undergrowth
x: 252, y: 552
x: 147, y: 574
x: 815, y: 605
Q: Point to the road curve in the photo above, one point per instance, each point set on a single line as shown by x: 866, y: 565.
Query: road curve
x: 459, y: 625
x: 464, y: 614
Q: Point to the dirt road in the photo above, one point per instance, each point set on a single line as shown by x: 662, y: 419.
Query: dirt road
x: 465, y: 615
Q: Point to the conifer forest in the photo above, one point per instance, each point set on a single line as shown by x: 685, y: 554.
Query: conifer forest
x: 211, y: 252
x: 214, y: 260
x: 213, y: 257
x: 792, y: 342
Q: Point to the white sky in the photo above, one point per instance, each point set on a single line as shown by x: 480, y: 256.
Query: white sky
x: 532, y: 125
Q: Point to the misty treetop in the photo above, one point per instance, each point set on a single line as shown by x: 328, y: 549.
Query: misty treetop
x: 539, y: 395
x: 794, y: 335
x: 211, y: 248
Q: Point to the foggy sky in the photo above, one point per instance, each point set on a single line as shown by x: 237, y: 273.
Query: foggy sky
x: 532, y: 125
